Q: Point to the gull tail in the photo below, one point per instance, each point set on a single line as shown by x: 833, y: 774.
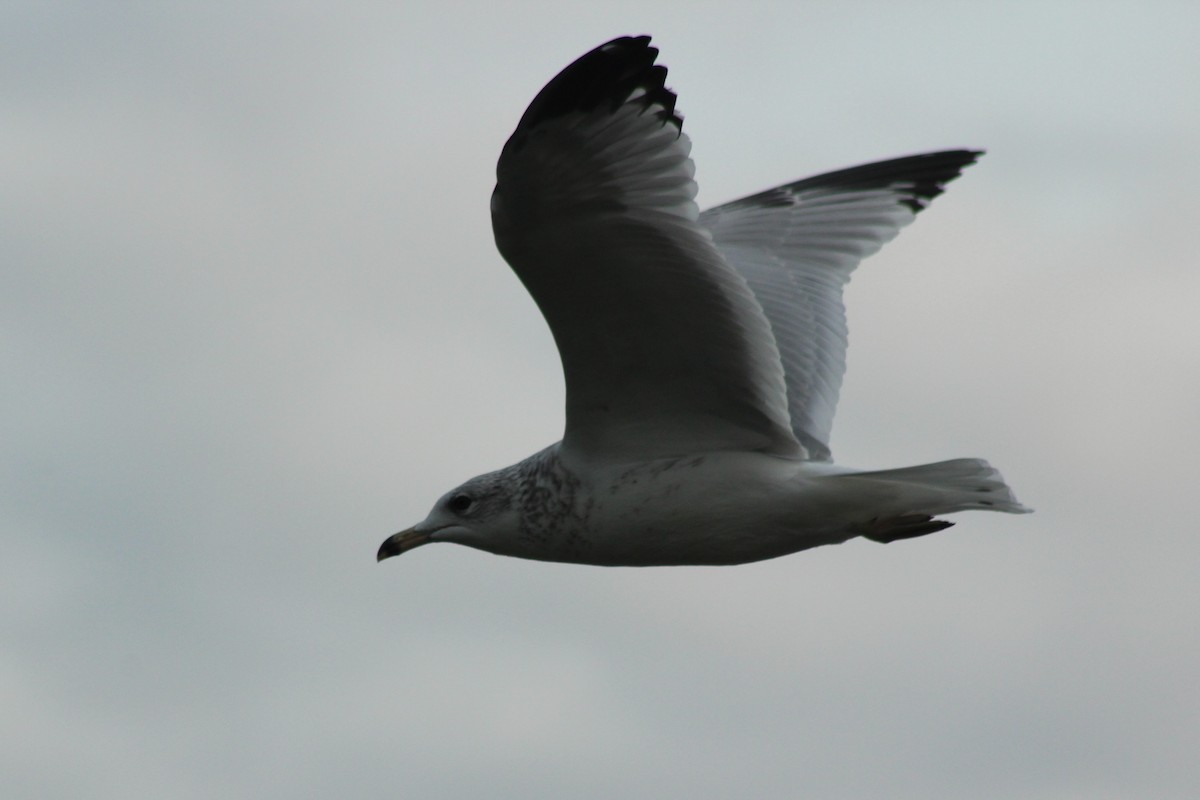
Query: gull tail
x: 923, y: 492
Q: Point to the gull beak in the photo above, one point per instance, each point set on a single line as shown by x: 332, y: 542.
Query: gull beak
x: 402, y: 542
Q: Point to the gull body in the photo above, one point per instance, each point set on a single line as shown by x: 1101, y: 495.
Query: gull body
x: 687, y: 510
x: 703, y: 352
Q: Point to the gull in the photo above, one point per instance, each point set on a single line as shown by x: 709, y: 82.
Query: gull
x: 703, y: 353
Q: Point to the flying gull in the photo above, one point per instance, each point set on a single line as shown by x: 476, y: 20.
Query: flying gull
x: 703, y: 351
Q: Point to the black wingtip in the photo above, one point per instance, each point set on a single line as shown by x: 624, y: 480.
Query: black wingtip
x: 932, y: 171
x: 604, y: 78
x: 916, y: 179
x: 924, y: 176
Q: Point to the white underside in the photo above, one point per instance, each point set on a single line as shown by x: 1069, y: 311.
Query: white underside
x: 729, y: 508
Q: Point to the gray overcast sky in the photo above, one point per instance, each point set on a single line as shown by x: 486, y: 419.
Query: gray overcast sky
x: 252, y: 321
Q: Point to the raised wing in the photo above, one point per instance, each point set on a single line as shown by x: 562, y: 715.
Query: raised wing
x: 664, y: 348
x: 796, y: 246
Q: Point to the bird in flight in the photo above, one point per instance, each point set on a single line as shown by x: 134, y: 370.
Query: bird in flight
x: 703, y: 352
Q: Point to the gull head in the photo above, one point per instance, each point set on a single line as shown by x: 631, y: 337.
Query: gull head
x: 479, y: 514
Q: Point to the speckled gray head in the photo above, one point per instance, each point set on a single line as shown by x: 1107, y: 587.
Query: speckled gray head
x: 475, y: 514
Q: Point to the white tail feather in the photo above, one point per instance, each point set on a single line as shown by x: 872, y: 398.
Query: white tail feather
x: 960, y: 484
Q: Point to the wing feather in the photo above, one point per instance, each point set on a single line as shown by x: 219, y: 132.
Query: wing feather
x: 665, y: 349
x: 796, y: 245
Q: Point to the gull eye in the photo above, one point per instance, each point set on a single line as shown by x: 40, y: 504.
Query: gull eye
x: 460, y: 503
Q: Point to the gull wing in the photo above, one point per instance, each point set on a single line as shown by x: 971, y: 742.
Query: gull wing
x: 796, y: 246
x: 664, y: 348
